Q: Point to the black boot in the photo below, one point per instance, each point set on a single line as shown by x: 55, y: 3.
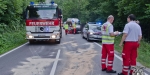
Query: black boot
x: 104, y: 69
x: 129, y: 67
x: 120, y: 74
x: 130, y: 73
x: 111, y: 71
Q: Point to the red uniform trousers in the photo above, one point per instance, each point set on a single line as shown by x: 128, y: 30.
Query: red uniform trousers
x: 129, y: 55
x: 107, y: 50
x: 66, y: 31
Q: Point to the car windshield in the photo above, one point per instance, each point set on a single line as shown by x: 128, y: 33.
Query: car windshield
x: 42, y: 13
x: 95, y: 27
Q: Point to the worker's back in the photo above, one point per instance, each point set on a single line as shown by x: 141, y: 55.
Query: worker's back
x: 133, y: 30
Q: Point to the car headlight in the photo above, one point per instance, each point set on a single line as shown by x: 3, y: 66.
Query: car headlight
x: 91, y: 33
x: 53, y: 36
x: 30, y: 36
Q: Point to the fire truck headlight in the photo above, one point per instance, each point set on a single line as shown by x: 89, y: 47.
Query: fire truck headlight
x: 30, y: 36
x: 53, y: 36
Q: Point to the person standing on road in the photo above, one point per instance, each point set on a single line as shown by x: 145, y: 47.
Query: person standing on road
x: 66, y: 28
x: 74, y: 27
x: 131, y: 38
x: 108, y: 36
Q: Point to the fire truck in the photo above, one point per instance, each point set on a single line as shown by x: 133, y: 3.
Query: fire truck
x: 43, y: 22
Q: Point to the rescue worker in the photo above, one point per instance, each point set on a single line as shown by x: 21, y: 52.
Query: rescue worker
x: 66, y: 28
x: 131, y: 38
x: 74, y: 27
x: 137, y: 23
x: 108, y: 36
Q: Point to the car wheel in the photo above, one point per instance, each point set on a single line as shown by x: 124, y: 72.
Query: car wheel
x: 58, y: 42
x: 31, y: 41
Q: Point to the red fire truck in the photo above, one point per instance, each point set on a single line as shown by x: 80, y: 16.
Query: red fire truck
x: 43, y: 22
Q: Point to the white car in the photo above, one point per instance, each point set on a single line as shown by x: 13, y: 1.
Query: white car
x: 92, y: 32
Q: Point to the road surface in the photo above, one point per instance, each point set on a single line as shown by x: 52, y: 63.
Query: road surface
x: 74, y: 56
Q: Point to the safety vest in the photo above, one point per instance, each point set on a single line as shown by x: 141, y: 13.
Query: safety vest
x: 106, y: 38
x: 66, y: 26
x: 74, y: 25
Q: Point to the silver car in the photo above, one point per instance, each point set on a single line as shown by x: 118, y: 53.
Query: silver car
x: 92, y: 32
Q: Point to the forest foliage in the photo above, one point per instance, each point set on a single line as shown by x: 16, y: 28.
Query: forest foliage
x: 98, y: 10
x: 12, y: 24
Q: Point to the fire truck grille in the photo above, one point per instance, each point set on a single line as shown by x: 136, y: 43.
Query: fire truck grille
x: 41, y: 36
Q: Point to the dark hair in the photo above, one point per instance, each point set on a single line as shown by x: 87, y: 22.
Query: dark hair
x: 132, y: 17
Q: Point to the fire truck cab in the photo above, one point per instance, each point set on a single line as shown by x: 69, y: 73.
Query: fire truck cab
x: 43, y: 22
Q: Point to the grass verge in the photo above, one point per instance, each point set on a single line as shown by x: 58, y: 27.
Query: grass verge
x: 143, y: 51
x: 10, y: 40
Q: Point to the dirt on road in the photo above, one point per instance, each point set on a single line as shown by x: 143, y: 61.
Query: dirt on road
x: 80, y: 62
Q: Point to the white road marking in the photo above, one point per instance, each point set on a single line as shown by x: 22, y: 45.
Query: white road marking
x: 55, y: 63
x: 12, y: 50
x: 115, y: 54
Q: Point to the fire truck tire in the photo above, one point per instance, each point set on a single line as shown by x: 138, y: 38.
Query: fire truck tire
x: 57, y: 42
x: 31, y: 41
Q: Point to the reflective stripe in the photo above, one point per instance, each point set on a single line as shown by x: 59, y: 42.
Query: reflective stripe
x: 123, y: 53
x: 111, y: 51
x: 103, y: 62
x: 133, y: 67
x: 108, y: 41
x: 104, y: 59
x: 109, y: 64
x: 110, y: 61
x: 125, y: 70
x: 106, y: 34
x: 125, y: 66
x: 107, y: 38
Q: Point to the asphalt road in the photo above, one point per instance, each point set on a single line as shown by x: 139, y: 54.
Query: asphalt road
x: 74, y: 56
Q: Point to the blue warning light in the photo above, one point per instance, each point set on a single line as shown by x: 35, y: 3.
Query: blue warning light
x: 31, y: 3
x: 52, y: 2
x: 99, y: 23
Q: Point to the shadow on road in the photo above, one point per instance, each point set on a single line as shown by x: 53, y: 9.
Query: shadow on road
x: 44, y: 43
x: 92, y: 41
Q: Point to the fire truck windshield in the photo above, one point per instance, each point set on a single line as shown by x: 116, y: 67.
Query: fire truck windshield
x: 36, y: 13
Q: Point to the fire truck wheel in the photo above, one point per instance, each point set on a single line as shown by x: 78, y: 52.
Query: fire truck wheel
x: 31, y: 41
x: 57, y: 42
